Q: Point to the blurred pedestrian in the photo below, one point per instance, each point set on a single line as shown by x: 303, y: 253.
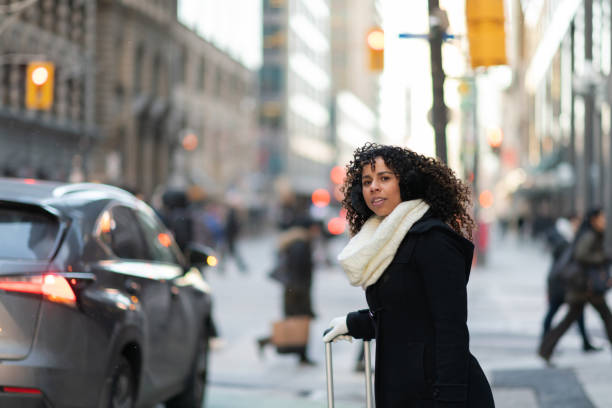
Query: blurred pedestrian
x: 176, y: 215
x: 294, y: 271
x: 411, y: 254
x: 232, y: 231
x: 559, y: 240
x: 589, y: 283
x: 206, y: 220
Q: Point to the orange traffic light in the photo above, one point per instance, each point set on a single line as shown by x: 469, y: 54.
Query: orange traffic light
x: 375, y: 41
x: 337, y: 174
x: 336, y: 226
x: 486, y: 32
x: 320, y: 197
x: 486, y: 199
x: 39, y: 85
x: 495, y: 137
x: 190, y: 141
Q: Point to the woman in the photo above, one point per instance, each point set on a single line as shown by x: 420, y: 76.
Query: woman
x: 590, y: 282
x: 295, y: 273
x: 410, y: 252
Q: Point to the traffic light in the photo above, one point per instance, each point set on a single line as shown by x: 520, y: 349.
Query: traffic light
x: 39, y: 85
x: 375, y: 41
x: 495, y: 137
x: 486, y: 33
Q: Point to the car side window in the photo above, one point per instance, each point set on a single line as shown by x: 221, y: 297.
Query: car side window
x: 123, y: 236
x: 159, y: 241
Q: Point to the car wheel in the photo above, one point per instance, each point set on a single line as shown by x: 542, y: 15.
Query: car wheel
x: 193, y: 394
x: 120, y: 389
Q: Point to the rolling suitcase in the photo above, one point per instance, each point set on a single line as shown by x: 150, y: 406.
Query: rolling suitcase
x: 330, y: 379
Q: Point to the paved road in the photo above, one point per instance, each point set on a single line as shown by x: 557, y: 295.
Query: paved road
x: 506, y: 305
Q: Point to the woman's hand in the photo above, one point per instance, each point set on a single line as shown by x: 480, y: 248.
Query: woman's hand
x: 337, y: 330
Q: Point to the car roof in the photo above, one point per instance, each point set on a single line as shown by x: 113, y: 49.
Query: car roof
x: 60, y: 195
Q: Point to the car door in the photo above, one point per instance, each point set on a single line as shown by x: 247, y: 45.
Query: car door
x: 181, y: 324
x: 137, y: 276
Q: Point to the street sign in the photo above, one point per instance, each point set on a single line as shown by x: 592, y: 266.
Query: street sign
x: 426, y: 36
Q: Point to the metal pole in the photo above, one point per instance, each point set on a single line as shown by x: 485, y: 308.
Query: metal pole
x: 589, y: 108
x: 439, y: 109
x: 368, y: 373
x: 574, y: 205
x: 475, y: 168
x: 330, y: 375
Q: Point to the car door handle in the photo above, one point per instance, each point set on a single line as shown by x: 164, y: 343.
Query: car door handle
x: 131, y: 287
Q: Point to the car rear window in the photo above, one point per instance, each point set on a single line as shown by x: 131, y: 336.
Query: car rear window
x: 27, y: 233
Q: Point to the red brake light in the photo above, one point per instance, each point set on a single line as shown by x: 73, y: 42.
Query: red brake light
x: 22, y: 390
x: 53, y: 287
x: 22, y: 284
x: 57, y: 289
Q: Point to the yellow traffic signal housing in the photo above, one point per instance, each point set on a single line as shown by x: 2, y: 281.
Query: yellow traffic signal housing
x: 495, y: 138
x: 375, y: 42
x: 486, y: 32
x: 39, y: 85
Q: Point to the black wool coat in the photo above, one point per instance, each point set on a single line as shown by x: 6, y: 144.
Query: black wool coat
x: 417, y: 314
x: 299, y: 266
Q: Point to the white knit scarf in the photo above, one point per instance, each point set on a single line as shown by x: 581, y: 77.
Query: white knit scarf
x: 371, y: 250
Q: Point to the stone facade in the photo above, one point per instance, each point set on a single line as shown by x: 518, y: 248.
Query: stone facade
x: 160, y: 81
x: 131, y: 82
x: 39, y: 143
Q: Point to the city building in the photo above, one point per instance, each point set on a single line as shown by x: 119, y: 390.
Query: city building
x: 138, y: 99
x: 51, y: 141
x: 138, y: 65
x: 563, y: 72
x: 218, y: 101
x: 295, y: 90
x: 173, y: 105
x: 355, y: 87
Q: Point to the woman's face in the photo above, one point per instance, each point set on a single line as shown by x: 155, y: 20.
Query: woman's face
x: 380, y: 186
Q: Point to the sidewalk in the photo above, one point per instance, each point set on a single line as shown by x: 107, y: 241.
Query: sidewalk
x: 507, y: 302
x: 506, y: 306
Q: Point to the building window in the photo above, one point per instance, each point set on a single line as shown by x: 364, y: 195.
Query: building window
x: 156, y: 77
x: 138, y: 67
x: 181, y: 66
x: 271, y: 79
x: 273, y: 5
x: 218, y: 81
x: 201, y: 74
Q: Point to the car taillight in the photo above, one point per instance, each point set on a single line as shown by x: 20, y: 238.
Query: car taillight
x: 20, y: 390
x: 53, y: 287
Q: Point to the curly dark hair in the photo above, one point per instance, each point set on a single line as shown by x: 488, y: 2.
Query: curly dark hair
x: 419, y: 177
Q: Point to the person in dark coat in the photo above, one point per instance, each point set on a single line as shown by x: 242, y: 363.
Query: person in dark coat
x: 176, y: 216
x: 559, y: 239
x: 588, y: 285
x: 232, y: 231
x: 410, y: 251
x: 294, y: 271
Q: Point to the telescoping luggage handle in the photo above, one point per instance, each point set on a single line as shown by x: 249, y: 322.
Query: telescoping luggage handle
x: 330, y: 373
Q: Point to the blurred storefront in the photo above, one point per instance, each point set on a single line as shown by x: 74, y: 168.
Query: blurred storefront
x: 563, y: 75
